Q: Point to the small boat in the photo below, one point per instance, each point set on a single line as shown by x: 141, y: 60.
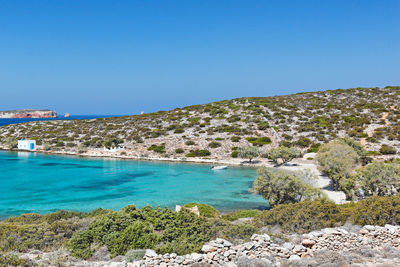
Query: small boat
x: 219, y: 167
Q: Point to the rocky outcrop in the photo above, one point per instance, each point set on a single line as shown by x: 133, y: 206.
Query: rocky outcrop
x: 28, y: 113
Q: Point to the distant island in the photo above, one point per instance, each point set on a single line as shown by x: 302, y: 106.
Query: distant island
x: 28, y: 113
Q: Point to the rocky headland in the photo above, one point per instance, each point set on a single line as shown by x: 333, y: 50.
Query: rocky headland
x: 28, y: 113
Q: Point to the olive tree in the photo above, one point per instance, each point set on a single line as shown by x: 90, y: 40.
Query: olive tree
x: 283, y: 187
x: 338, y: 161
x: 379, y: 179
x: 249, y: 152
x: 282, y: 154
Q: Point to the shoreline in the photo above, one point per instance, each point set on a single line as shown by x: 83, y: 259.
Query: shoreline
x: 232, y: 162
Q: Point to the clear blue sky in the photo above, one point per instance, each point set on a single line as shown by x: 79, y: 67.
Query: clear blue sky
x: 123, y: 57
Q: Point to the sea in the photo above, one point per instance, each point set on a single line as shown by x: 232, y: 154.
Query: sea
x: 72, y: 117
x: 43, y: 183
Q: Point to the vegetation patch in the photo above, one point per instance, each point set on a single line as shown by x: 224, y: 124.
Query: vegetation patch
x: 198, y: 153
x: 259, y: 141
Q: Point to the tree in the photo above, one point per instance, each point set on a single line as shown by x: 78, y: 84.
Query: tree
x: 286, y: 154
x: 249, y: 152
x: 379, y: 179
x: 338, y: 161
x: 283, y: 187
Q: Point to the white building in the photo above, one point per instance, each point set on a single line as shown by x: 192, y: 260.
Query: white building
x: 27, y: 144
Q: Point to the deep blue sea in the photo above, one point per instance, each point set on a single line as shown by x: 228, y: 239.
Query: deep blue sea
x: 33, y: 182
x: 73, y: 117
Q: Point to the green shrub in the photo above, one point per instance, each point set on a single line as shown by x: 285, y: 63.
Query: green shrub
x: 372, y: 153
x: 377, y: 211
x: 60, y: 144
x: 303, y: 216
x: 235, y: 154
x: 233, y: 216
x: 190, y: 143
x: 303, y: 142
x: 179, y: 150
x: 259, y: 141
x: 379, y: 178
x: 214, y: 144
x: 235, y: 139
x: 158, y: 149
x: 387, y: 150
x: 198, y: 153
x: 314, y: 148
x: 263, y: 125
x: 13, y: 260
x: 204, y: 209
x: 163, y: 230
x: 179, y: 130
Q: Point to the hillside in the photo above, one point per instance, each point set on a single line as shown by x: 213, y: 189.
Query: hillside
x: 371, y: 115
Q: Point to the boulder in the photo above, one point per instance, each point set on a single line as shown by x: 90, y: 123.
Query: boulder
x: 294, y: 258
x: 196, y: 257
x: 288, y: 246
x: 369, y: 227
x: 308, y: 243
x: 208, y: 248
x: 150, y: 253
x: 364, y: 232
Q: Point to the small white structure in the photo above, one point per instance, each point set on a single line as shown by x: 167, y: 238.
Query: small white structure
x: 114, y: 149
x: 27, y: 144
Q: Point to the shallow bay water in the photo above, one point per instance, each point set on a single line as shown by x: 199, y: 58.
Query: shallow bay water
x: 33, y: 182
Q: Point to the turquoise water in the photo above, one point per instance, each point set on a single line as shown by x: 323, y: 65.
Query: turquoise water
x: 32, y: 182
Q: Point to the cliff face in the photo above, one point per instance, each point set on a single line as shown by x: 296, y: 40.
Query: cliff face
x: 28, y: 113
